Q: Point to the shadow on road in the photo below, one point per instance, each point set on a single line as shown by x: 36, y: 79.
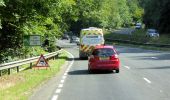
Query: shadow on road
x: 151, y: 53
x: 78, y: 72
x: 156, y: 57
x: 133, y: 50
x: 85, y: 72
x: 165, y: 67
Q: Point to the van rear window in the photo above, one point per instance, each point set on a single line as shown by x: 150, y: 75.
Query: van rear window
x: 93, y: 36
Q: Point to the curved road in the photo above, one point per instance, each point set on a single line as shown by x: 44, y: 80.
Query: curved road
x: 144, y: 75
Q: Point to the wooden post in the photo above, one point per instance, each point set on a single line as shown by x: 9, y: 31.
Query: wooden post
x: 9, y: 71
x: 17, y: 69
x: 56, y: 56
x: 30, y: 65
x: 0, y: 72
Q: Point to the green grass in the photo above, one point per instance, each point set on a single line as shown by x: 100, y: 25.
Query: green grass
x: 21, y: 85
x: 163, y: 39
x: 137, y: 36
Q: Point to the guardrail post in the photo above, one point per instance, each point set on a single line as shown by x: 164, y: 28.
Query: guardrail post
x: 0, y: 72
x: 17, y: 69
x: 47, y: 59
x: 9, y: 71
x: 30, y: 65
x: 57, y: 56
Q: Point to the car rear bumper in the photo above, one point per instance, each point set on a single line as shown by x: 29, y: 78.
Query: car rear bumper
x: 104, y: 66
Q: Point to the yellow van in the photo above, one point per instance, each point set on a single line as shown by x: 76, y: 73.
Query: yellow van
x: 89, y: 38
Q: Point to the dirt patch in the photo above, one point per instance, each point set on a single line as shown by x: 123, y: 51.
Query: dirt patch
x: 9, y: 81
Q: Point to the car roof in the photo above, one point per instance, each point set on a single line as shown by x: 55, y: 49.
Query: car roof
x: 138, y: 23
x: 74, y: 37
x: 91, y: 29
x: 104, y: 46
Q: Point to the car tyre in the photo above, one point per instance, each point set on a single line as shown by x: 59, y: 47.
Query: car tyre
x: 117, y: 70
x: 89, y: 70
x: 80, y: 57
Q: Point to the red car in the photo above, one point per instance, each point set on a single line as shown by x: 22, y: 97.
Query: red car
x: 104, y: 58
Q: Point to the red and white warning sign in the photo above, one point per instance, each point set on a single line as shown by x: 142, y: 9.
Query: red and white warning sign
x: 42, y: 62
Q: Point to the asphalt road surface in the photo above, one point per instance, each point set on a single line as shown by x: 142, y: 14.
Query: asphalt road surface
x: 144, y: 75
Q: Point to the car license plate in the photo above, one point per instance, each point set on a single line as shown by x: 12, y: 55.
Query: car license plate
x: 104, y: 58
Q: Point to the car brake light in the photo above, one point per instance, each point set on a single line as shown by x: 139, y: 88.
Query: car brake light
x: 113, y: 57
x: 93, y: 58
x: 96, y: 57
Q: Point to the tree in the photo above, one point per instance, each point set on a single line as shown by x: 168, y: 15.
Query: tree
x: 157, y: 14
x: 136, y: 10
x: 164, y: 21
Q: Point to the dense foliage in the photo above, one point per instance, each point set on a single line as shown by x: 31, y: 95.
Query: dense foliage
x: 54, y: 17
x: 157, y: 14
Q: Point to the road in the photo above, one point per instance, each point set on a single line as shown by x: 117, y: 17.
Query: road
x: 144, y: 75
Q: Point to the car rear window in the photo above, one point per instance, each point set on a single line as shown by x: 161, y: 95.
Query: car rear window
x: 103, y: 52
x: 152, y: 31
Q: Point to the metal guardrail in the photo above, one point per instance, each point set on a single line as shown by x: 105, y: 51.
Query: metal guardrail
x: 138, y: 43
x: 17, y: 64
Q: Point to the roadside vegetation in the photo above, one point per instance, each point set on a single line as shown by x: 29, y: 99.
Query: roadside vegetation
x: 52, y: 18
x: 141, y: 34
x: 138, y: 37
x: 157, y: 15
x: 21, y: 85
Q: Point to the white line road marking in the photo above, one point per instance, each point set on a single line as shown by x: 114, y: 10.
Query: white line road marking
x: 67, y: 70
x: 160, y: 91
x: 127, y: 67
x: 62, y: 81
x: 154, y: 57
x: 147, y: 80
x: 60, y: 85
x: 65, y: 74
x: 58, y: 91
x: 55, y: 97
x: 64, y: 77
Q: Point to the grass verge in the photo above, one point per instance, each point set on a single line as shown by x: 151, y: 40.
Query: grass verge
x: 21, y: 85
